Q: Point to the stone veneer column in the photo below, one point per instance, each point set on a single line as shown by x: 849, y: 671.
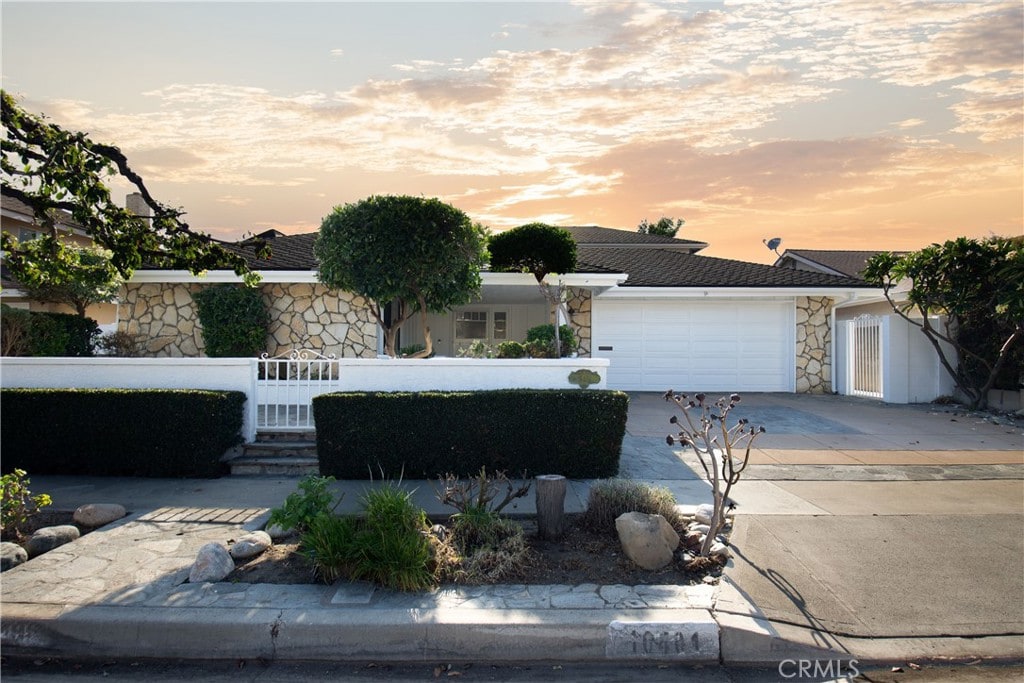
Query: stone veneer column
x: 302, y: 315
x: 579, y: 304
x: 813, y: 345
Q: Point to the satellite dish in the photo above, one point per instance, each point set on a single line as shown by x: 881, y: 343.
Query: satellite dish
x: 773, y: 243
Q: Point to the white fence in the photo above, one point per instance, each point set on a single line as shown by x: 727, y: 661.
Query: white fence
x: 887, y: 358
x: 271, y: 383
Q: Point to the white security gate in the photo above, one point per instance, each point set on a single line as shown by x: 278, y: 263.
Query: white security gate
x: 286, y: 385
x: 864, y: 356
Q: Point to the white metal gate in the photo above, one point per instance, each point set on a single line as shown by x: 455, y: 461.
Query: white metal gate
x: 286, y: 385
x: 864, y: 356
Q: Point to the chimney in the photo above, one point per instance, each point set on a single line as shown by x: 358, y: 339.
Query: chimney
x: 137, y: 205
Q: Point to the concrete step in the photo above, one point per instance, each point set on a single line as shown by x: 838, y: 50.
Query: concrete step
x: 274, y: 467
x: 269, y: 437
x: 280, y: 449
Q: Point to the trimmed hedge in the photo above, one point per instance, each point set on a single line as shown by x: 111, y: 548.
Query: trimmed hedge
x: 119, y: 432
x: 574, y: 433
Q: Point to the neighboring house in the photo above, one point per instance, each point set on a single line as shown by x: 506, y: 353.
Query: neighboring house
x: 877, y: 353
x: 17, y: 218
x: 843, y: 263
x: 664, y: 315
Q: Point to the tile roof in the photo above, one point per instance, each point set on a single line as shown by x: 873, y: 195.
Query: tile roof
x: 594, y: 235
x: 651, y: 261
x: 289, y: 252
x: 664, y: 268
x: 850, y: 263
x: 12, y: 205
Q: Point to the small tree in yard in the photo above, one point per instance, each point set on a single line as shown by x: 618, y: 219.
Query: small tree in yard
x: 723, y: 451
x: 56, y: 272
x: 979, y: 286
x: 419, y: 255
x: 540, y: 249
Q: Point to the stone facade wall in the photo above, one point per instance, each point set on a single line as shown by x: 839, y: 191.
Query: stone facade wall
x: 813, y: 345
x: 302, y: 315
x: 579, y: 304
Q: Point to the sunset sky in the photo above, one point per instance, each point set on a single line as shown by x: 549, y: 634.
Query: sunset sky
x: 848, y: 125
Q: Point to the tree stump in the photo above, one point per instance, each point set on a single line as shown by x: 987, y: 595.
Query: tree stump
x: 550, y: 494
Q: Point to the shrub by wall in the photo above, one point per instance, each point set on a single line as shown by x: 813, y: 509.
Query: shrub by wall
x: 574, y: 433
x: 119, y: 432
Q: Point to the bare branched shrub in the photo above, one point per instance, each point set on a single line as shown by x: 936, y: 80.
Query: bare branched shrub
x: 478, y: 494
x: 723, y: 451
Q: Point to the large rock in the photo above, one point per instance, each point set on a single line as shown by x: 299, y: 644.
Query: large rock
x: 98, y: 514
x: 251, y: 545
x: 704, y: 512
x: 11, y: 555
x: 277, y: 532
x: 648, y: 540
x: 50, y: 537
x: 213, y: 563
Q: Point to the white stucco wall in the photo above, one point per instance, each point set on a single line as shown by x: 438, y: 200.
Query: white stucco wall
x: 228, y: 374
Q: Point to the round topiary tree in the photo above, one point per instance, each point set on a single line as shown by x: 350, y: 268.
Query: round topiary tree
x: 234, y: 320
x: 415, y: 253
x: 536, y: 248
x: 540, y: 249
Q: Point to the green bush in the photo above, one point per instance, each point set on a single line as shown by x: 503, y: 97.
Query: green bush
x: 82, y: 333
x: 330, y: 544
x: 574, y: 433
x: 25, y: 333
x: 609, y: 499
x: 392, y: 548
x: 234, y: 320
x: 119, y: 432
x: 17, y: 503
x: 540, y: 340
x: 511, y: 349
x: 311, y: 500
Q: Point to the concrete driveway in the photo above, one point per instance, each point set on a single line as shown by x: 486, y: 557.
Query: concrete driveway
x: 864, y: 527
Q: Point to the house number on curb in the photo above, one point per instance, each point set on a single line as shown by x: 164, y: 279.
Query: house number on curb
x: 689, y: 641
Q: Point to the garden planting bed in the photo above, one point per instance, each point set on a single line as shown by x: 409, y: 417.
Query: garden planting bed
x: 582, y: 556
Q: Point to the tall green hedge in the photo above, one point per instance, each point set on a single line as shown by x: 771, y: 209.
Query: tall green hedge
x: 25, y: 333
x: 119, y: 432
x: 574, y: 433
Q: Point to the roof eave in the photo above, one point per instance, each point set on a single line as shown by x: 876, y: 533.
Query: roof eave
x: 636, y: 292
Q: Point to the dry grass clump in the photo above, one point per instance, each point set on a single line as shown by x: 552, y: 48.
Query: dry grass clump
x: 611, y: 498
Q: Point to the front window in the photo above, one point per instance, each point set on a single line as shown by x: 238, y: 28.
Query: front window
x: 471, y: 325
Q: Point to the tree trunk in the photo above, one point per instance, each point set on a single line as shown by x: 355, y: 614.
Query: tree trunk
x: 551, y: 506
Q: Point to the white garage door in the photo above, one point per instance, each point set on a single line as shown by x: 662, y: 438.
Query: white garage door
x: 690, y: 346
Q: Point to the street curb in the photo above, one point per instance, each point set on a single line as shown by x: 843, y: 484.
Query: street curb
x: 500, y: 635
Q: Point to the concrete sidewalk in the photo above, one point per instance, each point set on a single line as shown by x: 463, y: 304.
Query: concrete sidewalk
x: 924, y: 565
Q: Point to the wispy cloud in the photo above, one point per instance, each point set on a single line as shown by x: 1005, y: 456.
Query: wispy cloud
x: 664, y: 108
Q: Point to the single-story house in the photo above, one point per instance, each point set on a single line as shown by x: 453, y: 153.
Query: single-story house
x: 665, y: 316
